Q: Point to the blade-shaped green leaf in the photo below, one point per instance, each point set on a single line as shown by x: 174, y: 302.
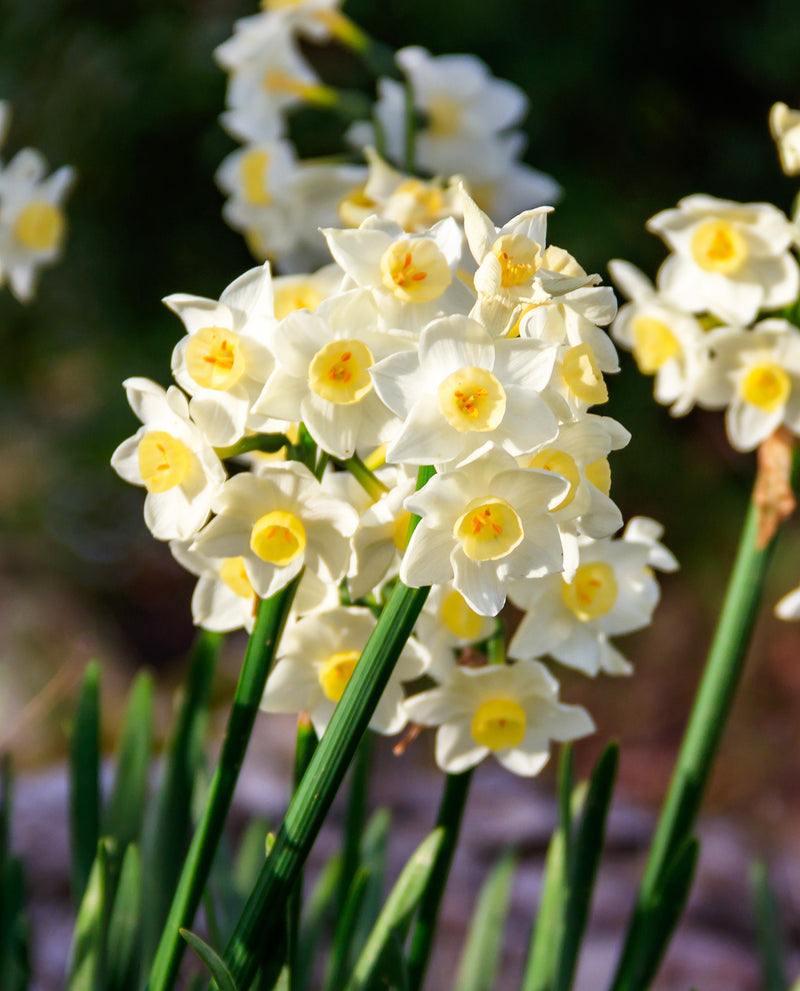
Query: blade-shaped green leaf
x: 548, y: 931
x: 318, y: 909
x: 374, y: 853
x: 123, y: 818
x: 585, y: 857
x: 168, y: 831
x: 340, y: 961
x: 86, y: 967
x: 15, y: 964
x: 212, y: 960
x: 124, y: 926
x: 84, y: 776
x: 768, y: 930
x: 481, y: 957
x: 398, y: 910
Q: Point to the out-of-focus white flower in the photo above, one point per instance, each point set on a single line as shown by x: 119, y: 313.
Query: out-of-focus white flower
x: 171, y: 458
x: 509, y: 711
x: 785, y: 127
x: 316, y: 659
x: 643, y: 530
x: 447, y: 623
x: 413, y: 276
x: 731, y: 259
x: 279, y: 520
x: 311, y: 18
x: 789, y: 606
x: 462, y: 389
x: 32, y: 220
x: 483, y: 524
x: 755, y: 374
x: 613, y: 591
x: 223, y: 362
x: 322, y: 373
x: 666, y: 341
x: 304, y: 291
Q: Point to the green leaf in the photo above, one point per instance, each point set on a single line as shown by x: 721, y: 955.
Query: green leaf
x: 768, y: 931
x: 585, y: 859
x: 374, y: 852
x: 548, y: 931
x: 86, y: 967
x: 123, y: 818
x: 398, y: 910
x: 340, y: 961
x: 84, y: 776
x: 15, y: 967
x: 481, y: 957
x: 168, y: 831
x: 318, y: 909
x: 212, y: 960
x: 124, y: 926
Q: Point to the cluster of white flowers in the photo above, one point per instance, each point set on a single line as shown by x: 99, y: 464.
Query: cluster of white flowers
x: 473, y: 348
x: 32, y: 222
x: 279, y: 202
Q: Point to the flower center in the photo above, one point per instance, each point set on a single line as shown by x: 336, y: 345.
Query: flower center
x: 164, y: 461
x: 339, y: 372
x: 653, y: 344
x: 355, y: 206
x: 214, y: 358
x: 444, y: 116
x: 278, y: 537
x: 561, y: 463
x: 253, y: 172
x: 582, y: 375
x: 472, y: 399
x: 717, y: 246
x: 489, y: 529
x: 599, y: 474
x: 335, y: 673
x: 235, y: 577
x: 39, y: 226
x: 400, y: 530
x: 415, y: 270
x: 766, y: 385
x: 300, y: 296
x: 461, y: 620
x: 593, y: 591
x: 499, y: 724
x: 519, y: 258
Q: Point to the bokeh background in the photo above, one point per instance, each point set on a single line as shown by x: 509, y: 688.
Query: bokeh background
x: 632, y: 107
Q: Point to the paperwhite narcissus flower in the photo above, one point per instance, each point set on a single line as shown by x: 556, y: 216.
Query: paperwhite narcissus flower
x: 510, y: 711
x: 279, y: 521
x: 413, y: 276
x: 789, y: 606
x: 32, y: 220
x: 251, y: 34
x: 613, y: 591
x: 755, y: 374
x: 785, y: 127
x: 462, y: 389
x: 666, y: 341
x: 224, y: 361
x: 731, y: 259
x: 304, y: 291
x: 446, y: 624
x: 322, y: 373
x: 171, y: 457
x: 483, y: 524
x: 316, y: 658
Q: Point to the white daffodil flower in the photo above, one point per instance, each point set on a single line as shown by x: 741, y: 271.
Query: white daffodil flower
x: 278, y: 521
x: 310, y: 18
x: 415, y: 204
x: 731, y: 259
x: 447, y: 624
x: 666, y: 341
x: 413, y: 276
x: 382, y: 535
x: 643, y: 530
x: 462, y: 389
x: 517, y: 187
x: 32, y: 220
x: 223, y: 362
x: 482, y: 524
x: 613, y: 591
x: 322, y: 373
x: 509, y: 711
x: 789, y: 606
x: 755, y: 374
x: 305, y: 290
x: 316, y: 659
x: 784, y: 124
x: 273, y: 79
x: 171, y: 457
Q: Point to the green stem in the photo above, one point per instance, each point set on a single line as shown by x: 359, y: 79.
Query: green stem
x: 410, y: 129
x: 368, y: 481
x: 496, y: 644
x: 270, y: 620
x: 271, y: 443
x: 304, y: 751
x: 709, y: 714
x: 308, y: 808
x: 451, y: 812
